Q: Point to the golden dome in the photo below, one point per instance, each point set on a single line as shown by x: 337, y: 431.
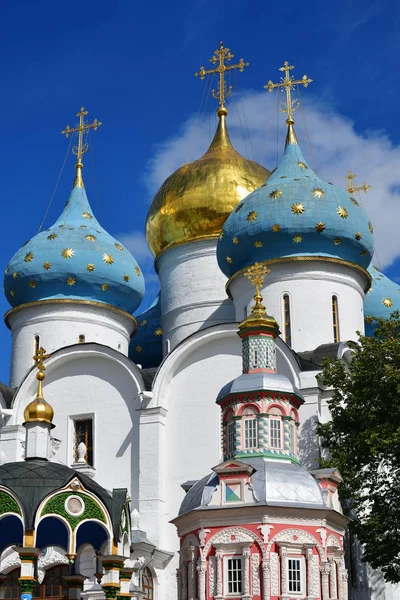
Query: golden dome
x: 194, y: 202
x: 39, y: 409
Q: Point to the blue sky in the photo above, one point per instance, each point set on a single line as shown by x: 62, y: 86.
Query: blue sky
x: 131, y: 64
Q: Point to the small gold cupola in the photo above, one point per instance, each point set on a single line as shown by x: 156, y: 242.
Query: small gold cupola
x: 39, y: 411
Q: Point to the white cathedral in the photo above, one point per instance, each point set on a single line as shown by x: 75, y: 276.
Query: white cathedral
x: 108, y: 436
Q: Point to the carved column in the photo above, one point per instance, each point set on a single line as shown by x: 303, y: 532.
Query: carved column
x: 309, y: 571
x: 201, y: 579
x: 266, y: 579
x: 192, y: 573
x: 312, y: 574
x: 218, y: 556
x: 283, y: 554
x: 112, y: 566
x: 27, y: 579
x: 332, y: 578
x: 75, y: 586
x: 184, y: 575
x: 325, y: 580
x: 246, y: 574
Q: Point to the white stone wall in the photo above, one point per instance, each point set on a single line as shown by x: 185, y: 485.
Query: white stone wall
x: 310, y: 286
x: 60, y: 325
x: 193, y: 291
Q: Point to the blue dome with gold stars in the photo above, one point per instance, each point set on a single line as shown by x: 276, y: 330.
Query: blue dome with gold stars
x: 75, y: 259
x: 295, y: 214
x: 381, y: 300
x: 146, y: 343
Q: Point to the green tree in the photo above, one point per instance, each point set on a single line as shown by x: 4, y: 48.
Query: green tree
x: 363, y: 439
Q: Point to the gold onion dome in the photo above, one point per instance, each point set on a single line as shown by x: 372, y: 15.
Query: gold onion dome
x: 39, y: 410
x: 194, y: 202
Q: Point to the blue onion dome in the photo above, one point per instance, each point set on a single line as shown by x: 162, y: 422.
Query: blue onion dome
x: 75, y: 259
x: 381, y: 300
x: 294, y: 214
x: 146, y: 344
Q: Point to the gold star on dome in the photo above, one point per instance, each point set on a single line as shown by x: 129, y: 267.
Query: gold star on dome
x: 67, y: 253
x: 337, y: 241
x: 87, y: 215
x: 252, y: 216
x: 52, y: 236
x: 318, y: 193
x: 158, y: 331
x: 104, y: 287
x: 276, y: 227
x: 12, y: 293
x: 354, y: 201
x: 229, y: 260
x: 83, y: 226
x: 238, y: 207
x: 371, y: 289
x: 119, y: 247
x: 221, y: 235
x: 387, y: 302
x: 90, y: 238
x: 258, y: 244
x: 137, y: 271
x: 320, y: 227
x: 235, y: 240
x: 358, y: 236
x: 302, y: 165
x: 369, y: 319
x: 6, y: 269
x: 28, y: 257
x: 298, y: 208
x: 32, y: 284
x: 108, y: 259
x: 342, y: 212
x: 15, y: 275
x: 276, y: 194
x: 370, y: 227
x: 142, y: 323
x: 297, y: 239
x: 138, y: 348
x: 46, y: 265
x: 363, y: 253
x: 126, y: 277
x: 90, y: 267
x: 71, y: 281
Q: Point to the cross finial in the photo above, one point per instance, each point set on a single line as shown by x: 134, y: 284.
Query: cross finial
x: 257, y: 273
x: 351, y: 189
x: 39, y: 357
x: 82, y: 147
x: 287, y: 84
x: 220, y: 57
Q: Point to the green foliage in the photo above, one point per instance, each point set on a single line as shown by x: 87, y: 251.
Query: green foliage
x: 8, y: 504
x: 363, y: 439
x: 56, y: 505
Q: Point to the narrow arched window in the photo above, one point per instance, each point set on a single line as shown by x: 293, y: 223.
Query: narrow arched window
x: 229, y: 423
x: 287, y: 327
x: 335, y: 319
x: 275, y: 428
x: 147, y: 584
x: 81, y: 339
x: 36, y: 345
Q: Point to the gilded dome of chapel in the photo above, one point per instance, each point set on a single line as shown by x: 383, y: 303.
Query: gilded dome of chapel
x: 194, y: 202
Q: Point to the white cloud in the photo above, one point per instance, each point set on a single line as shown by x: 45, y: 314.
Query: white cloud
x: 137, y: 246
x: 336, y: 146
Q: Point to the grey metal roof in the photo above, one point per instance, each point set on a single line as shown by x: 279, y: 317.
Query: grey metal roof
x: 275, y: 483
x: 8, y: 394
x: 249, y: 382
x: 316, y: 357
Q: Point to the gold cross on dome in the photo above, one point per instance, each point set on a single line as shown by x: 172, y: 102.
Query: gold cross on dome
x: 221, y: 57
x: 351, y: 189
x: 257, y: 273
x: 80, y: 149
x: 39, y: 357
x: 287, y: 84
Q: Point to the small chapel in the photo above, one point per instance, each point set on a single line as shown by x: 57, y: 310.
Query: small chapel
x: 171, y: 453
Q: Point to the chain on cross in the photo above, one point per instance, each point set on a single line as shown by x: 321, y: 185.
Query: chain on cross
x: 80, y: 149
x: 221, y: 57
x: 287, y: 84
x: 351, y: 189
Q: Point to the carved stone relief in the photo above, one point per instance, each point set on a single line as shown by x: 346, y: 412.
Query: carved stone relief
x: 255, y: 575
x: 274, y: 574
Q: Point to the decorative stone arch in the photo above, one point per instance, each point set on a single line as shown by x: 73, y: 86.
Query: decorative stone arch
x: 275, y: 404
x: 333, y: 541
x: 251, y: 405
x: 53, y: 557
x: 225, y: 537
x: 123, y: 545
x: 302, y: 537
x: 85, y: 564
x: 104, y: 526
x: 9, y: 560
x: 64, y: 522
x: 190, y: 540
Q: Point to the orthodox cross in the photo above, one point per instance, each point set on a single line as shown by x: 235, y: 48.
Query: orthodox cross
x: 221, y: 57
x: 351, y: 189
x: 256, y: 274
x: 39, y: 357
x: 80, y: 129
x: 287, y: 84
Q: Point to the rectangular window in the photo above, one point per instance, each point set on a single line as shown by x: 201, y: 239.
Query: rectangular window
x: 275, y: 433
x: 231, y: 437
x: 294, y: 573
x: 83, y: 432
x: 234, y: 575
x: 250, y: 433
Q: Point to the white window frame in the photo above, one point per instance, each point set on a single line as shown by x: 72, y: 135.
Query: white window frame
x: 226, y: 578
x: 246, y: 421
x: 230, y: 482
x: 71, y: 435
x: 230, y: 437
x: 279, y: 419
x: 301, y: 560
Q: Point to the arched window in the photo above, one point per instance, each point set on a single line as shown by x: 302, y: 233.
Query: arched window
x: 36, y: 345
x: 54, y: 586
x: 275, y: 428
x: 81, y: 339
x: 287, y: 327
x: 147, y: 584
x: 335, y: 319
x: 250, y: 428
x: 11, y: 587
x: 230, y: 433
